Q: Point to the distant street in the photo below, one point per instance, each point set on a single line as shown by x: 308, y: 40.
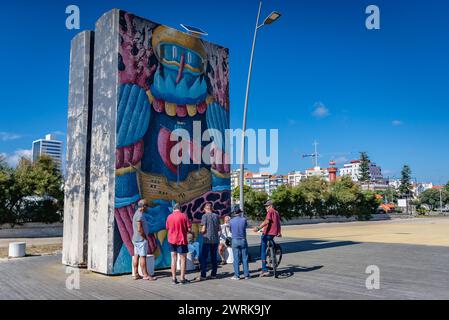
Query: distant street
x: 312, y: 268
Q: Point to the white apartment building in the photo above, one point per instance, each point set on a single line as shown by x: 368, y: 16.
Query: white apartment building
x: 295, y: 178
x: 352, y: 169
x: 50, y: 147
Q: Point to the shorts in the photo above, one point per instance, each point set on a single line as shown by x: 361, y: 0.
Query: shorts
x: 181, y: 249
x: 141, y: 248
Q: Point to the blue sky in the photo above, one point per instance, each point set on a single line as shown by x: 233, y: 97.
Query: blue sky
x: 384, y: 92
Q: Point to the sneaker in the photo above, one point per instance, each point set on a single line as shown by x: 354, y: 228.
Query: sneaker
x: 235, y: 278
x: 265, y: 274
x: 213, y: 277
x: 198, y: 279
x: 185, y: 281
x: 175, y: 281
x: 247, y: 277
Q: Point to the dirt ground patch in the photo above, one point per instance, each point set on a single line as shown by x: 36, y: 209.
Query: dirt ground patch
x: 36, y: 250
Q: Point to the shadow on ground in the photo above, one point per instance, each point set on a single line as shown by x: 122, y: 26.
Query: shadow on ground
x: 300, y: 246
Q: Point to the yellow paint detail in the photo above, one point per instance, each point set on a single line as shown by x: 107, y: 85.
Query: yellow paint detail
x: 163, y: 34
x: 210, y: 99
x: 220, y: 175
x: 191, y: 110
x: 161, y: 235
x: 170, y: 109
x: 150, y: 96
x: 157, y: 253
x: 123, y: 171
x: 187, y: 66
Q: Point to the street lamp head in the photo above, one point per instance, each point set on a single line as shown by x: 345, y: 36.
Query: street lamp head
x: 272, y: 18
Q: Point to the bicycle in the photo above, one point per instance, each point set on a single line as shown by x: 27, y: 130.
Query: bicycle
x: 274, y: 250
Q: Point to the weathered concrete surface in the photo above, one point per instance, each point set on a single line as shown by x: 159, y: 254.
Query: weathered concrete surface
x: 312, y: 269
x: 76, y: 207
x: 102, y: 178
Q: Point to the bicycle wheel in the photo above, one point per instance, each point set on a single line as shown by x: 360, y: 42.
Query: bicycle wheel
x: 274, y: 262
x: 278, y: 254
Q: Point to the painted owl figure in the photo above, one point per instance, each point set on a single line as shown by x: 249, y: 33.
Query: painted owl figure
x: 166, y: 85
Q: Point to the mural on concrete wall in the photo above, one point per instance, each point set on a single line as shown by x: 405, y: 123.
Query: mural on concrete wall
x: 168, y: 80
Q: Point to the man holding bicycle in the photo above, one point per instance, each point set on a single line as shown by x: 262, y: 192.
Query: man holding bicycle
x: 271, y: 228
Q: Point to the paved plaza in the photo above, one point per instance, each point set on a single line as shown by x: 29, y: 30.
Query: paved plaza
x: 326, y: 261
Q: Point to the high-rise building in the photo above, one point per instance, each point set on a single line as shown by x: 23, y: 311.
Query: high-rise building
x: 50, y: 147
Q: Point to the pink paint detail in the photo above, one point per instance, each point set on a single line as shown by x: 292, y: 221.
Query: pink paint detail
x: 126, y: 219
x: 131, y: 154
x: 181, y: 68
x: 181, y: 111
x: 195, y: 207
x: 136, y: 53
x: 219, y: 160
x: 138, y: 153
x: 164, y: 146
x: 128, y: 155
x: 159, y: 105
x: 202, y: 107
x: 125, y: 235
x: 119, y: 158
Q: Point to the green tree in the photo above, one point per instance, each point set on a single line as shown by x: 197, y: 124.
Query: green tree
x: 344, y: 194
x: 33, y: 192
x: 287, y: 201
x: 315, y: 194
x: 406, y: 185
x: 390, y: 195
x: 365, y: 175
x: 367, y: 205
x: 254, y: 201
x: 431, y: 198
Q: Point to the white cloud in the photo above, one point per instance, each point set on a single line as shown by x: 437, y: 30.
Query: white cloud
x: 341, y: 160
x: 320, y: 110
x: 9, y: 136
x: 397, y: 123
x: 59, y: 133
x: 13, y: 159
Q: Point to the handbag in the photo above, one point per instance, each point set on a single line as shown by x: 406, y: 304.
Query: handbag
x: 228, y: 241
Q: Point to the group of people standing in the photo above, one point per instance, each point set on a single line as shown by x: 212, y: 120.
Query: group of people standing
x: 216, y: 238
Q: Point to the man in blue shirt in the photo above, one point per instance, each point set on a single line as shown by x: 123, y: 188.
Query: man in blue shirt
x: 239, y: 245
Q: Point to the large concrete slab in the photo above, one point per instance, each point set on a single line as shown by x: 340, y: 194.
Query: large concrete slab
x: 76, y: 205
x: 311, y: 269
x: 102, y: 177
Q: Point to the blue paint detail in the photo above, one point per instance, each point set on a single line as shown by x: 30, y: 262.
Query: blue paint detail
x: 126, y: 185
x: 123, y: 202
x: 192, y: 89
x: 156, y: 217
x: 133, y: 115
x: 219, y: 184
x: 164, y: 259
x: 123, y: 263
x: 217, y: 118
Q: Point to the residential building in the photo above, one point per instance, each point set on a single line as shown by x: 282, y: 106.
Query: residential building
x: 318, y: 172
x: 49, y: 146
x: 295, y: 178
x: 265, y: 182
x: 352, y: 169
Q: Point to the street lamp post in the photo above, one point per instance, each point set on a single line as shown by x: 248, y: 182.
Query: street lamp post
x: 269, y: 20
